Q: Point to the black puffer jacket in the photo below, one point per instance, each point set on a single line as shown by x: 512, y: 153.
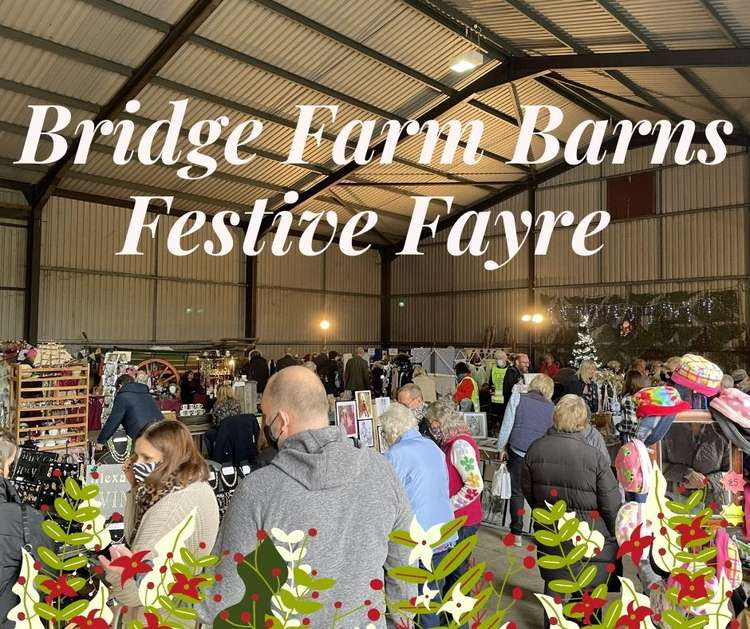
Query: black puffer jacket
x: 12, y: 538
x: 583, y: 478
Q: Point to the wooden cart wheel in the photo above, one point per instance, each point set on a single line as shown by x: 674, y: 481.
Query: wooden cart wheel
x: 161, y: 372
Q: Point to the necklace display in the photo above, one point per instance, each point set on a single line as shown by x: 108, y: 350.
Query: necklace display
x: 118, y: 457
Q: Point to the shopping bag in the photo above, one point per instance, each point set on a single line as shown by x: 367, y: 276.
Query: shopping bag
x: 501, y: 483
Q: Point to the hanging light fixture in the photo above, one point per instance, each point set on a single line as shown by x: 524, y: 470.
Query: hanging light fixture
x: 467, y: 61
x: 470, y: 59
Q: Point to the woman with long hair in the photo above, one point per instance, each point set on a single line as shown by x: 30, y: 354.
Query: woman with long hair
x: 168, y: 479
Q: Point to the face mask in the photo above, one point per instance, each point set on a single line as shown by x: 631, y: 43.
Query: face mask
x: 272, y: 441
x: 437, y: 434
x: 141, y: 471
x: 501, y: 363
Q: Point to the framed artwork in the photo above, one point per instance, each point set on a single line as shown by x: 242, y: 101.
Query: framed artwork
x: 366, y: 436
x: 477, y: 423
x: 382, y: 444
x: 346, y: 417
x: 381, y: 405
x: 364, y: 404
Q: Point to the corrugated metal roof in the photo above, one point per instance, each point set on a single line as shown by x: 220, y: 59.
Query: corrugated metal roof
x: 60, y: 21
x: 226, y: 86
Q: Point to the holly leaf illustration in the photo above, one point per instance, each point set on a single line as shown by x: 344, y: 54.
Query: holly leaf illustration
x: 263, y: 572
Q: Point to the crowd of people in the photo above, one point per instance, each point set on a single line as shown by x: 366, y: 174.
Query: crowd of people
x: 310, y: 476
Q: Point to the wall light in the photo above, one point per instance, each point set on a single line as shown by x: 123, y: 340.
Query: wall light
x: 526, y: 318
x: 325, y: 324
x: 537, y: 318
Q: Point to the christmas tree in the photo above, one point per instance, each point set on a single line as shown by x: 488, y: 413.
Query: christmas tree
x: 584, y: 347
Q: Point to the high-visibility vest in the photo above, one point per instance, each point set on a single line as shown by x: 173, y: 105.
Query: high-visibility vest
x: 497, y: 376
x: 474, y: 393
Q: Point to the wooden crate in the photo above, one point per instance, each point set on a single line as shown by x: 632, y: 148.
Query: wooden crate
x: 51, y: 406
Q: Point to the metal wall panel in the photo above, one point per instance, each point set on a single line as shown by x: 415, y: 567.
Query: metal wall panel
x: 199, y: 265
x: 561, y: 265
x: 82, y: 235
x: 581, y: 199
x: 706, y: 244
x: 290, y: 271
x: 12, y: 256
x: 696, y: 186
x: 632, y: 252
x: 12, y: 197
x: 196, y: 311
x: 292, y: 317
x: 360, y: 274
x: 110, y: 309
x: 11, y: 314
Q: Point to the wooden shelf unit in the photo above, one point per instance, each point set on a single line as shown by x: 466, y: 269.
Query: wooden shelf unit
x: 51, y: 398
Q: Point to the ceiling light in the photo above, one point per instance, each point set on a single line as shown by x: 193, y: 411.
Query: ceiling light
x: 526, y: 318
x: 537, y: 318
x: 467, y: 61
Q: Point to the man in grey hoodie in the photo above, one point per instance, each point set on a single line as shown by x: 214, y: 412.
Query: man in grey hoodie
x: 318, y: 480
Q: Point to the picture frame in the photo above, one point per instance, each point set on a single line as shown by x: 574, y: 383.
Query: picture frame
x: 346, y: 417
x: 477, y: 423
x: 366, y: 434
x: 363, y: 401
x: 382, y: 445
x: 380, y: 405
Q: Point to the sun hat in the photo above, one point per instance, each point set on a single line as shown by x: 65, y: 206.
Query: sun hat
x: 659, y: 401
x: 698, y: 374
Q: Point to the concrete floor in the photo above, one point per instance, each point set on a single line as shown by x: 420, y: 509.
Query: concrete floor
x: 526, y: 613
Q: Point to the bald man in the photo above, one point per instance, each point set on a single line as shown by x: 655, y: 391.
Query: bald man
x: 318, y: 480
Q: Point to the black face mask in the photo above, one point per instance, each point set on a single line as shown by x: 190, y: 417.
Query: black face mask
x: 272, y: 441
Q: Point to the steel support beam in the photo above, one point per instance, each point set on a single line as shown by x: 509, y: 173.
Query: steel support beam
x: 709, y: 58
x: 693, y: 79
x: 540, y: 20
x: 721, y: 22
x: 251, y: 296
x: 172, y: 42
x: 387, y: 256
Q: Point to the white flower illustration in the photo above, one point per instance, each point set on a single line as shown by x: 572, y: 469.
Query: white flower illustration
x: 426, y: 596
x: 458, y: 604
x: 424, y: 541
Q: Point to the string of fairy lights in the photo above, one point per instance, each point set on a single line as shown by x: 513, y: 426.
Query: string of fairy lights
x: 690, y: 309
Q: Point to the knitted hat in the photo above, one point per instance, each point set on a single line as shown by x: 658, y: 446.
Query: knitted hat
x: 634, y: 472
x: 734, y: 405
x: 698, y: 374
x: 659, y: 401
x: 634, y: 468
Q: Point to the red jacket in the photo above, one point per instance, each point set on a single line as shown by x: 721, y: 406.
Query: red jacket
x: 473, y: 510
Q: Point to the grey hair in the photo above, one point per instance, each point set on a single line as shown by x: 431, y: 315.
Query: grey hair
x: 571, y: 414
x: 311, y: 365
x: 419, y: 371
x: 450, y: 420
x: 396, y: 421
x: 7, y: 448
x: 141, y: 377
x: 414, y: 391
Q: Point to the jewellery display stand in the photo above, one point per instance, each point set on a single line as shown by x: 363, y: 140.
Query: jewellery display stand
x: 51, y: 406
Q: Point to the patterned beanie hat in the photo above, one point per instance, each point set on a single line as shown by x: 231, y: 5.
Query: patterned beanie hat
x: 698, y: 374
x: 735, y: 405
x: 659, y: 401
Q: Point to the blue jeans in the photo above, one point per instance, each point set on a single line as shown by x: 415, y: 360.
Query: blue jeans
x: 427, y: 621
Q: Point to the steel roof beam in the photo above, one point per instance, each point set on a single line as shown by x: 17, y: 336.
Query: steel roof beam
x: 693, y: 79
x: 164, y: 51
x: 540, y: 20
x: 721, y: 22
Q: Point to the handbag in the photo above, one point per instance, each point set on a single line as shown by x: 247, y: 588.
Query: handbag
x: 501, y: 483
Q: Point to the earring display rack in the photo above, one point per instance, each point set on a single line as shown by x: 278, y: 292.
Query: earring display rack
x: 51, y: 406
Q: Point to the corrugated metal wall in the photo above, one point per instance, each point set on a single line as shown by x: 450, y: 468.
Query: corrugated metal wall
x: 155, y: 297
x: 295, y: 293
x: 13, y: 277
x: 697, y: 241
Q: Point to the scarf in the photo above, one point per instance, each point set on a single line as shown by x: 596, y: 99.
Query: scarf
x: 147, y: 495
